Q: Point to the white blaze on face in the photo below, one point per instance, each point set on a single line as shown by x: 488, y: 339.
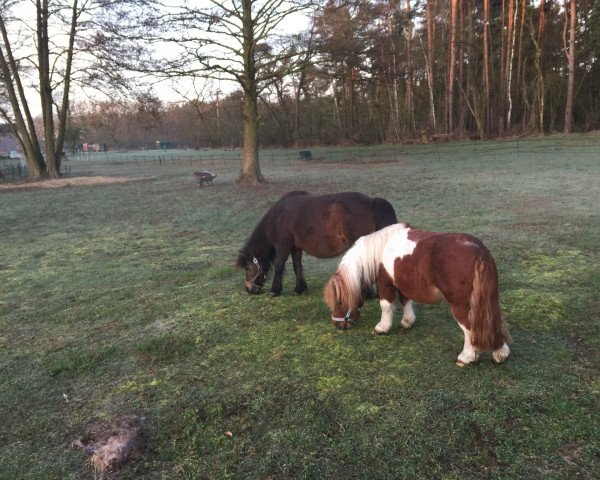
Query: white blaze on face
x: 398, y: 247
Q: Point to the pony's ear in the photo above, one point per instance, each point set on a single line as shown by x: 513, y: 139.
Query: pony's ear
x: 242, y: 261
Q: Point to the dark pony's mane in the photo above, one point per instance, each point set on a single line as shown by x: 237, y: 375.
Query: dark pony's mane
x: 258, y: 244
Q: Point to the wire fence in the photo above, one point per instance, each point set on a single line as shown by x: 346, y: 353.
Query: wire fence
x: 577, y: 146
x: 12, y: 170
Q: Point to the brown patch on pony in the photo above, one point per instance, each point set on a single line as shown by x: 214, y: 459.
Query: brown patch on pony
x: 488, y: 331
x: 385, y: 286
x: 112, y: 443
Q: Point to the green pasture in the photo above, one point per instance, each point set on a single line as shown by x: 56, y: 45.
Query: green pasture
x: 124, y: 298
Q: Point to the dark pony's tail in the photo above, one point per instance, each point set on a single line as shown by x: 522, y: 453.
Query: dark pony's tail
x: 488, y: 331
x: 384, y: 213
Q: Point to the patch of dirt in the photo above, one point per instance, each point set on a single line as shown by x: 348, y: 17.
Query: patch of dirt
x: 68, y: 182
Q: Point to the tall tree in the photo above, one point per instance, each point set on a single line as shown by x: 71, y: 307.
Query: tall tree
x: 451, y: 69
x: 41, y: 164
x: 571, y: 18
x: 486, y: 64
x: 38, y: 47
x: 226, y: 38
x: 429, y: 61
x: 410, y: 107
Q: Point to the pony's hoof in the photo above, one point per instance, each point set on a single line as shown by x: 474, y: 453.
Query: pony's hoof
x: 273, y: 294
x: 377, y: 332
x: 460, y: 364
x: 297, y: 294
x: 500, y: 355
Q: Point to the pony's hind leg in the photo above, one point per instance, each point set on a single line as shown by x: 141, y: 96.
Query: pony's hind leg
x: 409, y: 315
x: 469, y: 353
x: 501, y: 354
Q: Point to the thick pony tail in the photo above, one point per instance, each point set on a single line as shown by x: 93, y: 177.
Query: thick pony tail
x: 384, y: 213
x: 488, y: 331
x: 339, y: 292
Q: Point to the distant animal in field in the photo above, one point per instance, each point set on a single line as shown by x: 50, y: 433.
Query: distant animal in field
x: 323, y: 226
x: 427, y: 267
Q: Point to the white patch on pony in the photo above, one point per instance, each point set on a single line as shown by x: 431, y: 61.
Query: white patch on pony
x: 387, y: 315
x: 399, y: 246
x: 409, y: 315
x: 360, y: 265
x: 469, y: 353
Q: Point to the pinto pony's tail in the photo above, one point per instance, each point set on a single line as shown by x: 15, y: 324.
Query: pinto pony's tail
x: 384, y: 213
x: 488, y: 331
x: 339, y: 292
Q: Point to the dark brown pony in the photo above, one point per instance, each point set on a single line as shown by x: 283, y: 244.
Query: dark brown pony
x: 323, y: 226
x: 426, y: 267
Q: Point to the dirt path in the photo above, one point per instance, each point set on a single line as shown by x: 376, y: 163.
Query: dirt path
x: 68, y: 182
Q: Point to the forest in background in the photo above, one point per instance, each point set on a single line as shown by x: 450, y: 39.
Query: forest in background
x: 391, y: 71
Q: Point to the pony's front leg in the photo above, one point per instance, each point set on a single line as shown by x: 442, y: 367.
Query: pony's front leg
x: 277, y: 284
x: 301, y: 286
x: 387, y: 315
x: 387, y: 301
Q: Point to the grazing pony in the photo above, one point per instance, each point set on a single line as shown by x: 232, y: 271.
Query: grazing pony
x: 323, y: 226
x: 426, y: 267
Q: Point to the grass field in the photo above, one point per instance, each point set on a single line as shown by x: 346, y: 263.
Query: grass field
x: 124, y: 298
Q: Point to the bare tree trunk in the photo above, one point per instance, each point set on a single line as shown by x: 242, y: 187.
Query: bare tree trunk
x: 336, y: 109
x: 429, y: 60
x: 24, y: 127
x: 64, y: 108
x: 486, y: 65
x: 501, y: 87
x: 520, y: 67
x: 450, y: 83
x: 301, y: 84
x: 537, y: 120
x: 251, y: 174
x: 570, y: 54
x: 393, y: 94
x: 512, y: 14
x: 409, y: 71
x: 46, y: 86
x: 461, y: 66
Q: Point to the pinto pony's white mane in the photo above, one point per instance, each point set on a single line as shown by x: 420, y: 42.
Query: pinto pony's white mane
x: 359, y: 267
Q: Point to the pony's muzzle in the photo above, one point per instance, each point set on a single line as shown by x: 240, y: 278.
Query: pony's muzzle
x: 342, y: 325
x: 252, y: 289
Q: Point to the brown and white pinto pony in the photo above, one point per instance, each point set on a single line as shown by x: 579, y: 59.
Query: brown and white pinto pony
x: 426, y: 267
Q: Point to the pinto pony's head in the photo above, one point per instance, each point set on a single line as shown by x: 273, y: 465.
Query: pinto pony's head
x: 342, y: 299
x: 256, y: 272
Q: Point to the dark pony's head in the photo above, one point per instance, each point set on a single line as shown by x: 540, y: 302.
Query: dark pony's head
x: 256, y: 271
